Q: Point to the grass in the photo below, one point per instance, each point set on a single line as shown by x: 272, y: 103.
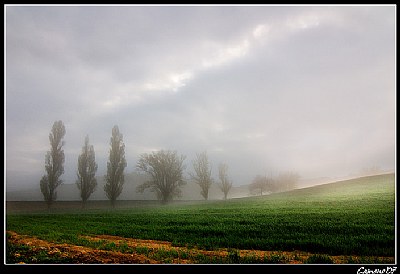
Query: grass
x: 355, y: 217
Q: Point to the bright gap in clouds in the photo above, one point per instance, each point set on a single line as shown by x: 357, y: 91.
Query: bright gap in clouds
x: 218, y: 54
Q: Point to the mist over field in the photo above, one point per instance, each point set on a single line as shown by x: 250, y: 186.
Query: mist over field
x: 264, y: 89
x: 69, y: 192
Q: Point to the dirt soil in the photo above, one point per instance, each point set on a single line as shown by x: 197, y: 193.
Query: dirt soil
x: 88, y: 255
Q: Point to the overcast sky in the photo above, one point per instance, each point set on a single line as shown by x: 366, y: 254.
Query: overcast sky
x: 265, y: 89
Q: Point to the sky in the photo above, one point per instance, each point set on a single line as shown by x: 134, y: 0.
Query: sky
x: 265, y: 89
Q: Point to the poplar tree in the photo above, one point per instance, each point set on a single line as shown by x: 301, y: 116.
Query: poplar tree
x: 54, y: 164
x: 115, y: 167
x: 87, y: 169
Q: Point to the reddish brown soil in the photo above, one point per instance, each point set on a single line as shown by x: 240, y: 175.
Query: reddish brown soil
x: 87, y: 255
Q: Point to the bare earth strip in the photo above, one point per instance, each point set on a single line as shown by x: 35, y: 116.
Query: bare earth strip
x: 87, y: 255
x: 80, y: 254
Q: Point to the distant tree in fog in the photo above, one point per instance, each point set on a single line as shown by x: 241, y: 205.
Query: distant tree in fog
x: 287, y: 181
x: 54, y: 164
x: 202, y: 175
x: 372, y: 170
x: 166, y: 171
x: 87, y: 168
x: 258, y: 185
x: 262, y: 183
x: 225, y: 185
x: 115, y: 167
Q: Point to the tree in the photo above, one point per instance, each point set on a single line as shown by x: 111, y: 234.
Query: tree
x: 262, y: 184
x: 115, y: 167
x: 54, y: 164
x: 166, y: 174
x: 203, y: 173
x: 287, y: 181
x: 271, y: 184
x: 259, y: 184
x: 225, y: 184
x: 372, y: 170
x: 87, y: 168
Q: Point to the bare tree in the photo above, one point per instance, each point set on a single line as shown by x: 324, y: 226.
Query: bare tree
x: 166, y: 174
x: 54, y: 164
x: 115, y: 167
x: 262, y: 184
x: 287, y: 181
x: 258, y: 185
x: 203, y: 173
x: 225, y: 184
x: 87, y: 168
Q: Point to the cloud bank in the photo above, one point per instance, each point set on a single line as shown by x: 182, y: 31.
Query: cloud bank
x: 262, y: 88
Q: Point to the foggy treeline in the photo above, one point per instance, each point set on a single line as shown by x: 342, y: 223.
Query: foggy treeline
x: 164, y: 170
x: 268, y: 184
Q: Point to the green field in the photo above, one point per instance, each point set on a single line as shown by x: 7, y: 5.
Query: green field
x: 354, y: 217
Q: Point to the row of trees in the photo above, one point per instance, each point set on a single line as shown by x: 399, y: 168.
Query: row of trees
x: 202, y: 175
x: 165, y: 169
x: 87, y: 167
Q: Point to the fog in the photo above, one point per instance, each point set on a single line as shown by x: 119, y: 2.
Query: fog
x: 265, y: 89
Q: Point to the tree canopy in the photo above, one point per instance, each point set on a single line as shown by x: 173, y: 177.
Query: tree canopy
x: 115, y: 166
x: 225, y: 185
x: 202, y: 175
x: 165, y: 169
x: 54, y: 163
x: 87, y: 168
